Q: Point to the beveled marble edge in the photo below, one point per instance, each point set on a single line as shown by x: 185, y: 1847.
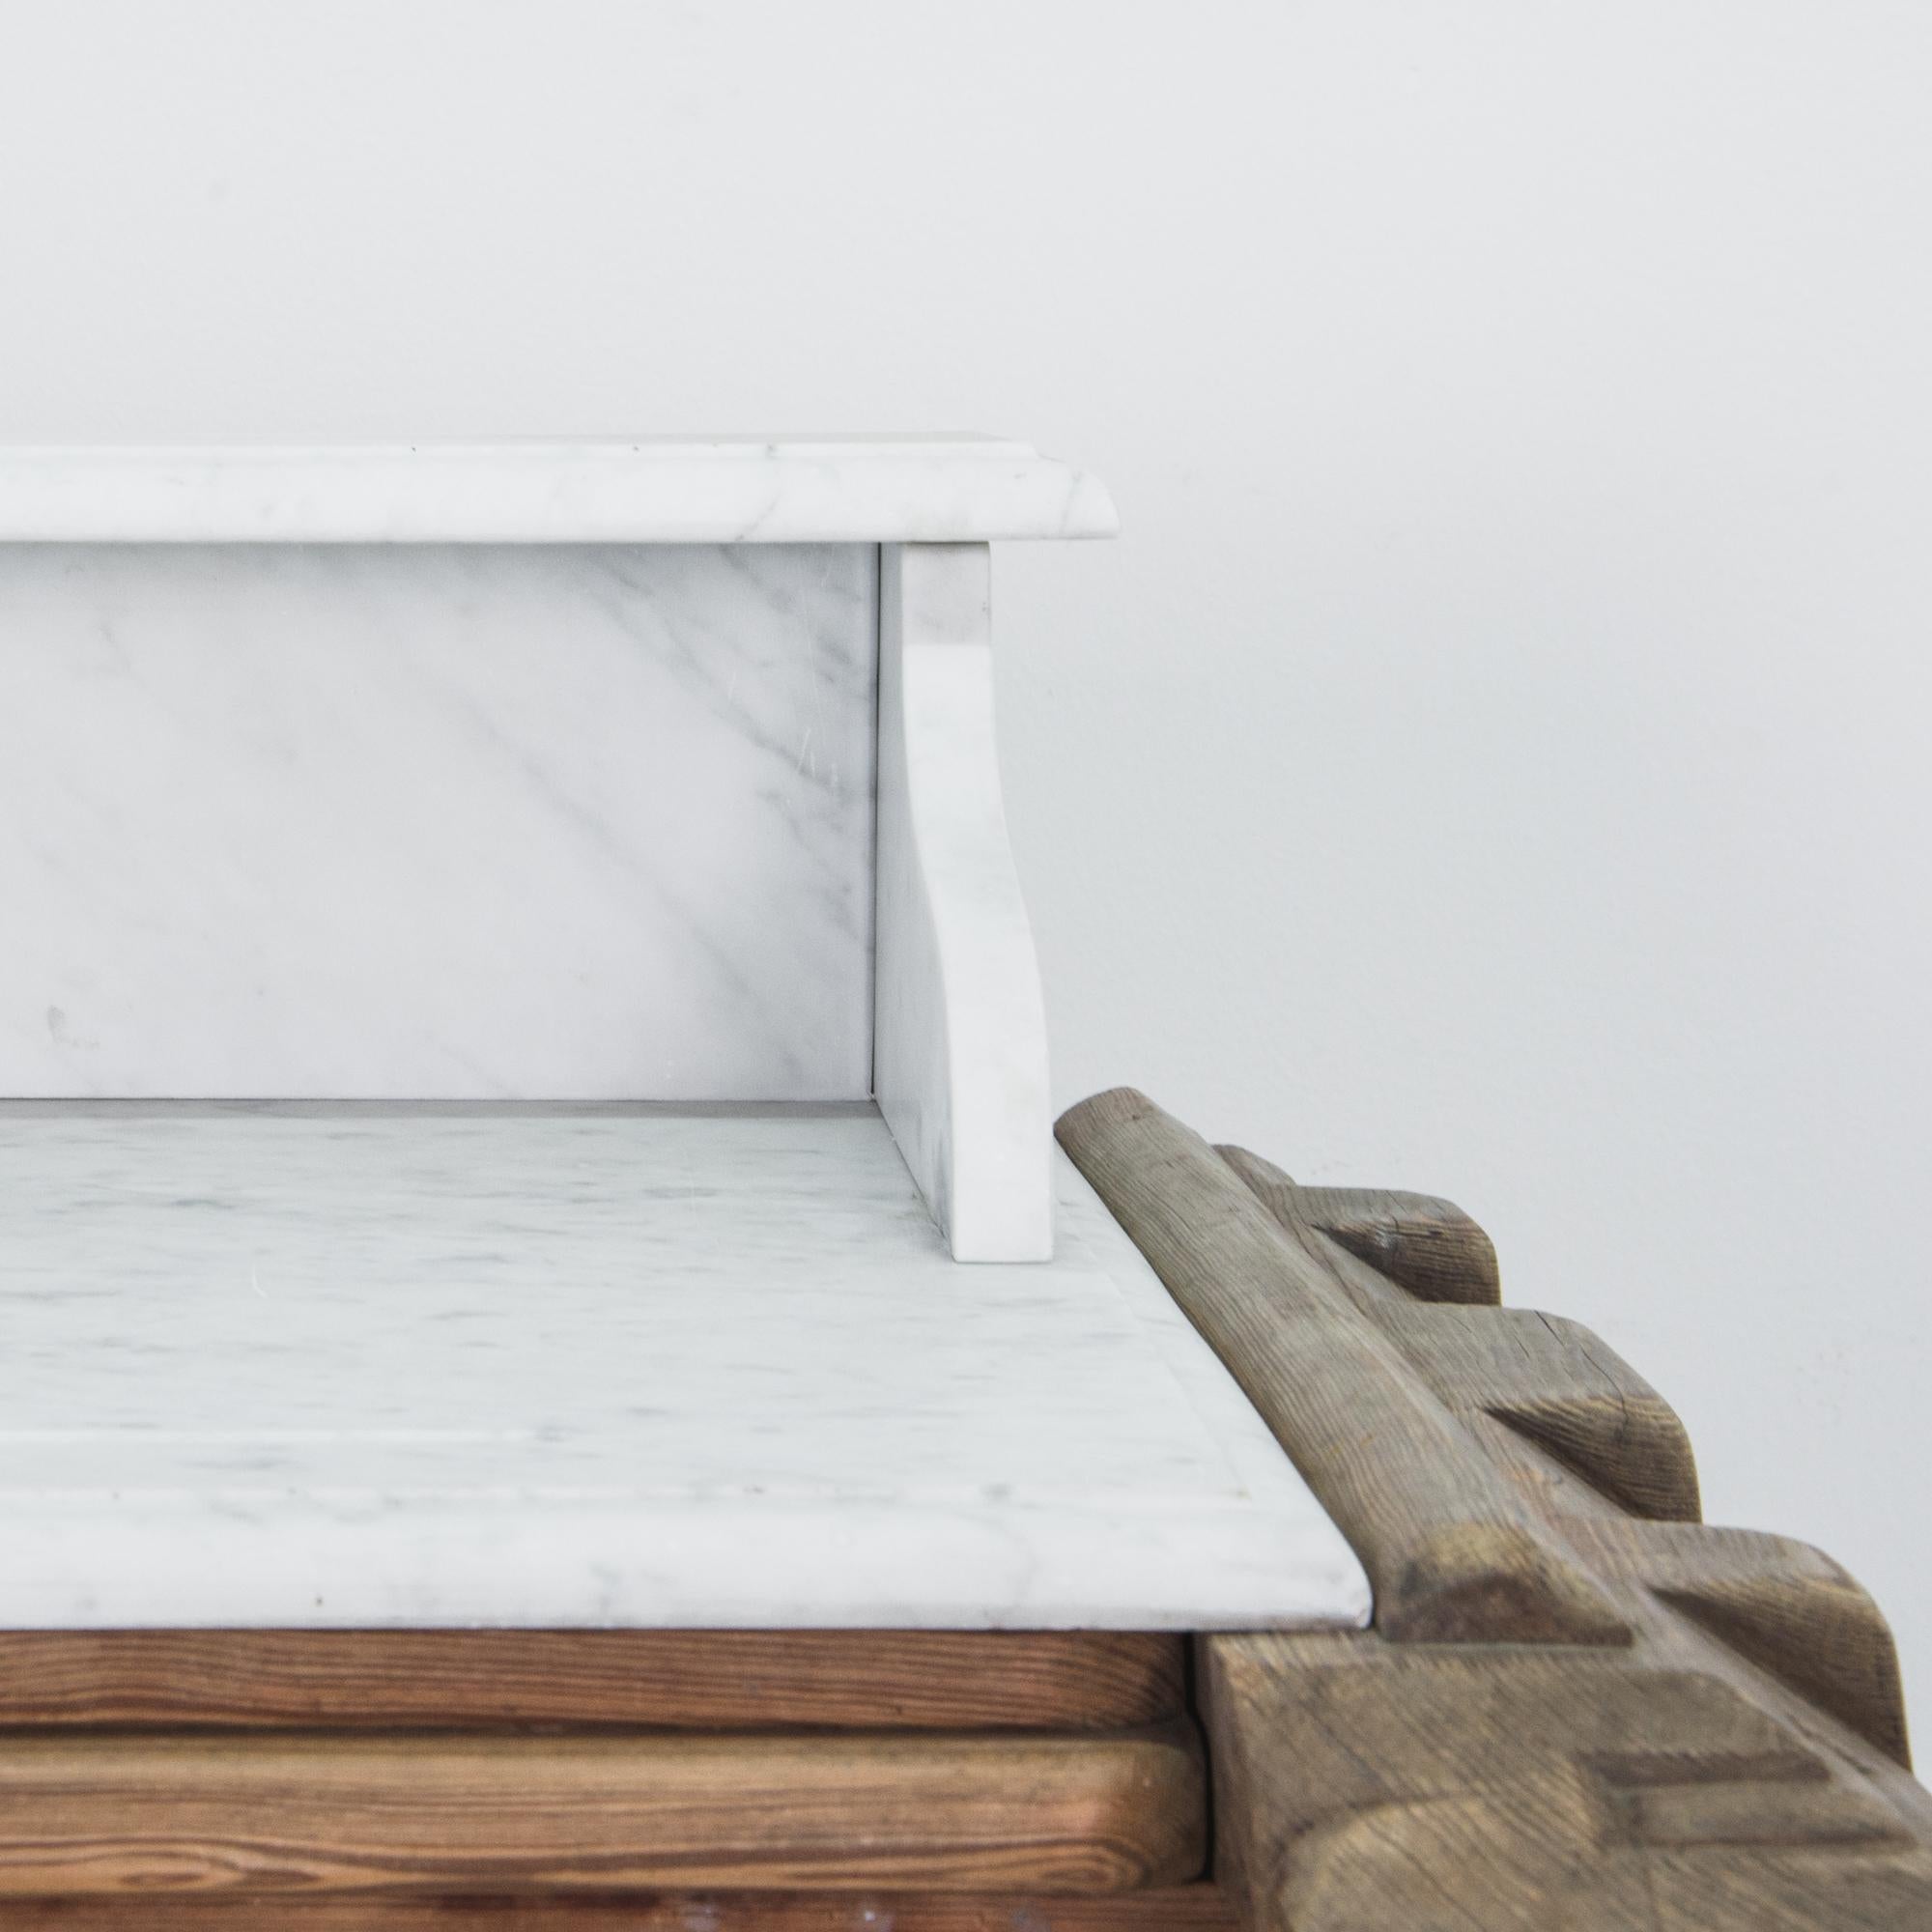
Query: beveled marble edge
x: 725, y: 490
x: 382, y: 1561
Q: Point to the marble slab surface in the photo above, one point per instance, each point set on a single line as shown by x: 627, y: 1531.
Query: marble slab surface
x: 881, y: 489
x: 455, y: 820
x: 327, y: 1365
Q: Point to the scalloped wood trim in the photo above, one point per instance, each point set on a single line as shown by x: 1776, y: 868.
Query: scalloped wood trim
x: 1738, y: 1764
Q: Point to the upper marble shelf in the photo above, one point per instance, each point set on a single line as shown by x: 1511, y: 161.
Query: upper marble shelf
x: 727, y: 490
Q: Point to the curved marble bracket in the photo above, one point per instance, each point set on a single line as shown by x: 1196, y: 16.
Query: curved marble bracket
x: 959, y: 1028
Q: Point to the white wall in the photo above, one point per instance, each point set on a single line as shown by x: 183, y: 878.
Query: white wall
x: 1496, y: 758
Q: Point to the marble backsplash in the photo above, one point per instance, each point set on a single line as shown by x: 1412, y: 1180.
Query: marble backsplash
x: 462, y: 821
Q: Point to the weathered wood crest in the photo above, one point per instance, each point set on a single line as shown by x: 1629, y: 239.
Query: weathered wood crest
x: 1579, y: 1707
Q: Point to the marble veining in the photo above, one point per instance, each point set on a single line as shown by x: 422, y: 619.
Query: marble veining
x: 756, y: 490
x: 342, y: 1365
x: 455, y: 820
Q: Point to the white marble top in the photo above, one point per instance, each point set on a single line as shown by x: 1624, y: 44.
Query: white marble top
x: 934, y: 489
x: 315, y: 1364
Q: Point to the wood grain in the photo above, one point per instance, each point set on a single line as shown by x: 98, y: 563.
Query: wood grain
x: 1363, y: 1786
x: 1428, y: 1246
x: 1737, y: 1766
x: 1450, y: 1550
x: 152, y: 1813
x: 1786, y: 1606
x: 689, y: 1680
x: 1554, y: 1381
x: 1549, y: 1380
x: 1190, y: 1908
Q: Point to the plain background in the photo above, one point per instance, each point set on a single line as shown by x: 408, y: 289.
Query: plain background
x: 1494, y: 758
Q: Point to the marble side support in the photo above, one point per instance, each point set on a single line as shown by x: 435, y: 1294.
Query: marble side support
x: 959, y: 1030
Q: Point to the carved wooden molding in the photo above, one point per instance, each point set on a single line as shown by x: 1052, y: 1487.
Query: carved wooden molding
x: 1579, y: 1707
